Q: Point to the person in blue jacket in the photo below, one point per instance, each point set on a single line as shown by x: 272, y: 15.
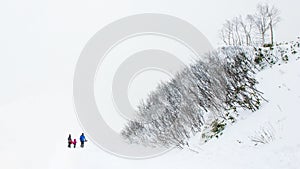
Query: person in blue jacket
x: 82, y: 140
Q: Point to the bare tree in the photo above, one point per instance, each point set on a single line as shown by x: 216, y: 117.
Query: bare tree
x: 261, y: 21
x: 247, y: 27
x: 274, y: 18
x: 236, y: 30
x: 226, y: 33
x: 265, y: 18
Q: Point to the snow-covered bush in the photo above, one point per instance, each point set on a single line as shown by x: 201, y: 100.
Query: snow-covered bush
x: 278, y: 54
x: 215, y: 129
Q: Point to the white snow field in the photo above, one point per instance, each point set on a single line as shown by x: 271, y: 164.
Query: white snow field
x: 34, y: 134
x: 40, y: 44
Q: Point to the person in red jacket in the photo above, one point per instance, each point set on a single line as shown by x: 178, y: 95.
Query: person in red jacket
x: 74, y: 142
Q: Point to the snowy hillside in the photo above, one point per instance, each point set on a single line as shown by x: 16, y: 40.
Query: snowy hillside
x: 36, y: 145
x: 235, y: 148
x: 279, y: 117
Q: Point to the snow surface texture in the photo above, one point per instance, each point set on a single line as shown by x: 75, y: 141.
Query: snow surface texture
x: 27, y: 141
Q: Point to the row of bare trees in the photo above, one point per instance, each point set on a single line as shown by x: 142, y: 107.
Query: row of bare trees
x: 252, y: 29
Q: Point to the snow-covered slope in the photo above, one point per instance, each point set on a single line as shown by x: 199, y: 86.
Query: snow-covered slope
x: 234, y: 149
x: 279, y: 117
x: 43, y: 123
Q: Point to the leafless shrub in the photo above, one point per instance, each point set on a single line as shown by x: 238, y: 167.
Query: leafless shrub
x: 264, y: 135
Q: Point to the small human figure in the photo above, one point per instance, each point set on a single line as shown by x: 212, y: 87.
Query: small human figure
x: 74, y: 142
x: 69, y: 141
x: 82, y: 140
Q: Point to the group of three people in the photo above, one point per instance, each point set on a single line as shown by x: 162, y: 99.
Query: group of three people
x: 74, y: 142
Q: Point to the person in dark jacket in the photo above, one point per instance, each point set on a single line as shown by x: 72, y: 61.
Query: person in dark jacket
x: 69, y: 141
x: 82, y: 140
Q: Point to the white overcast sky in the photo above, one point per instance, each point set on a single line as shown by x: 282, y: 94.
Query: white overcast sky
x: 42, y: 39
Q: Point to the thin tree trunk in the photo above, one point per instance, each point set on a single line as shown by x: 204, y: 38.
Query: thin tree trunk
x: 272, y: 36
x: 263, y: 38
